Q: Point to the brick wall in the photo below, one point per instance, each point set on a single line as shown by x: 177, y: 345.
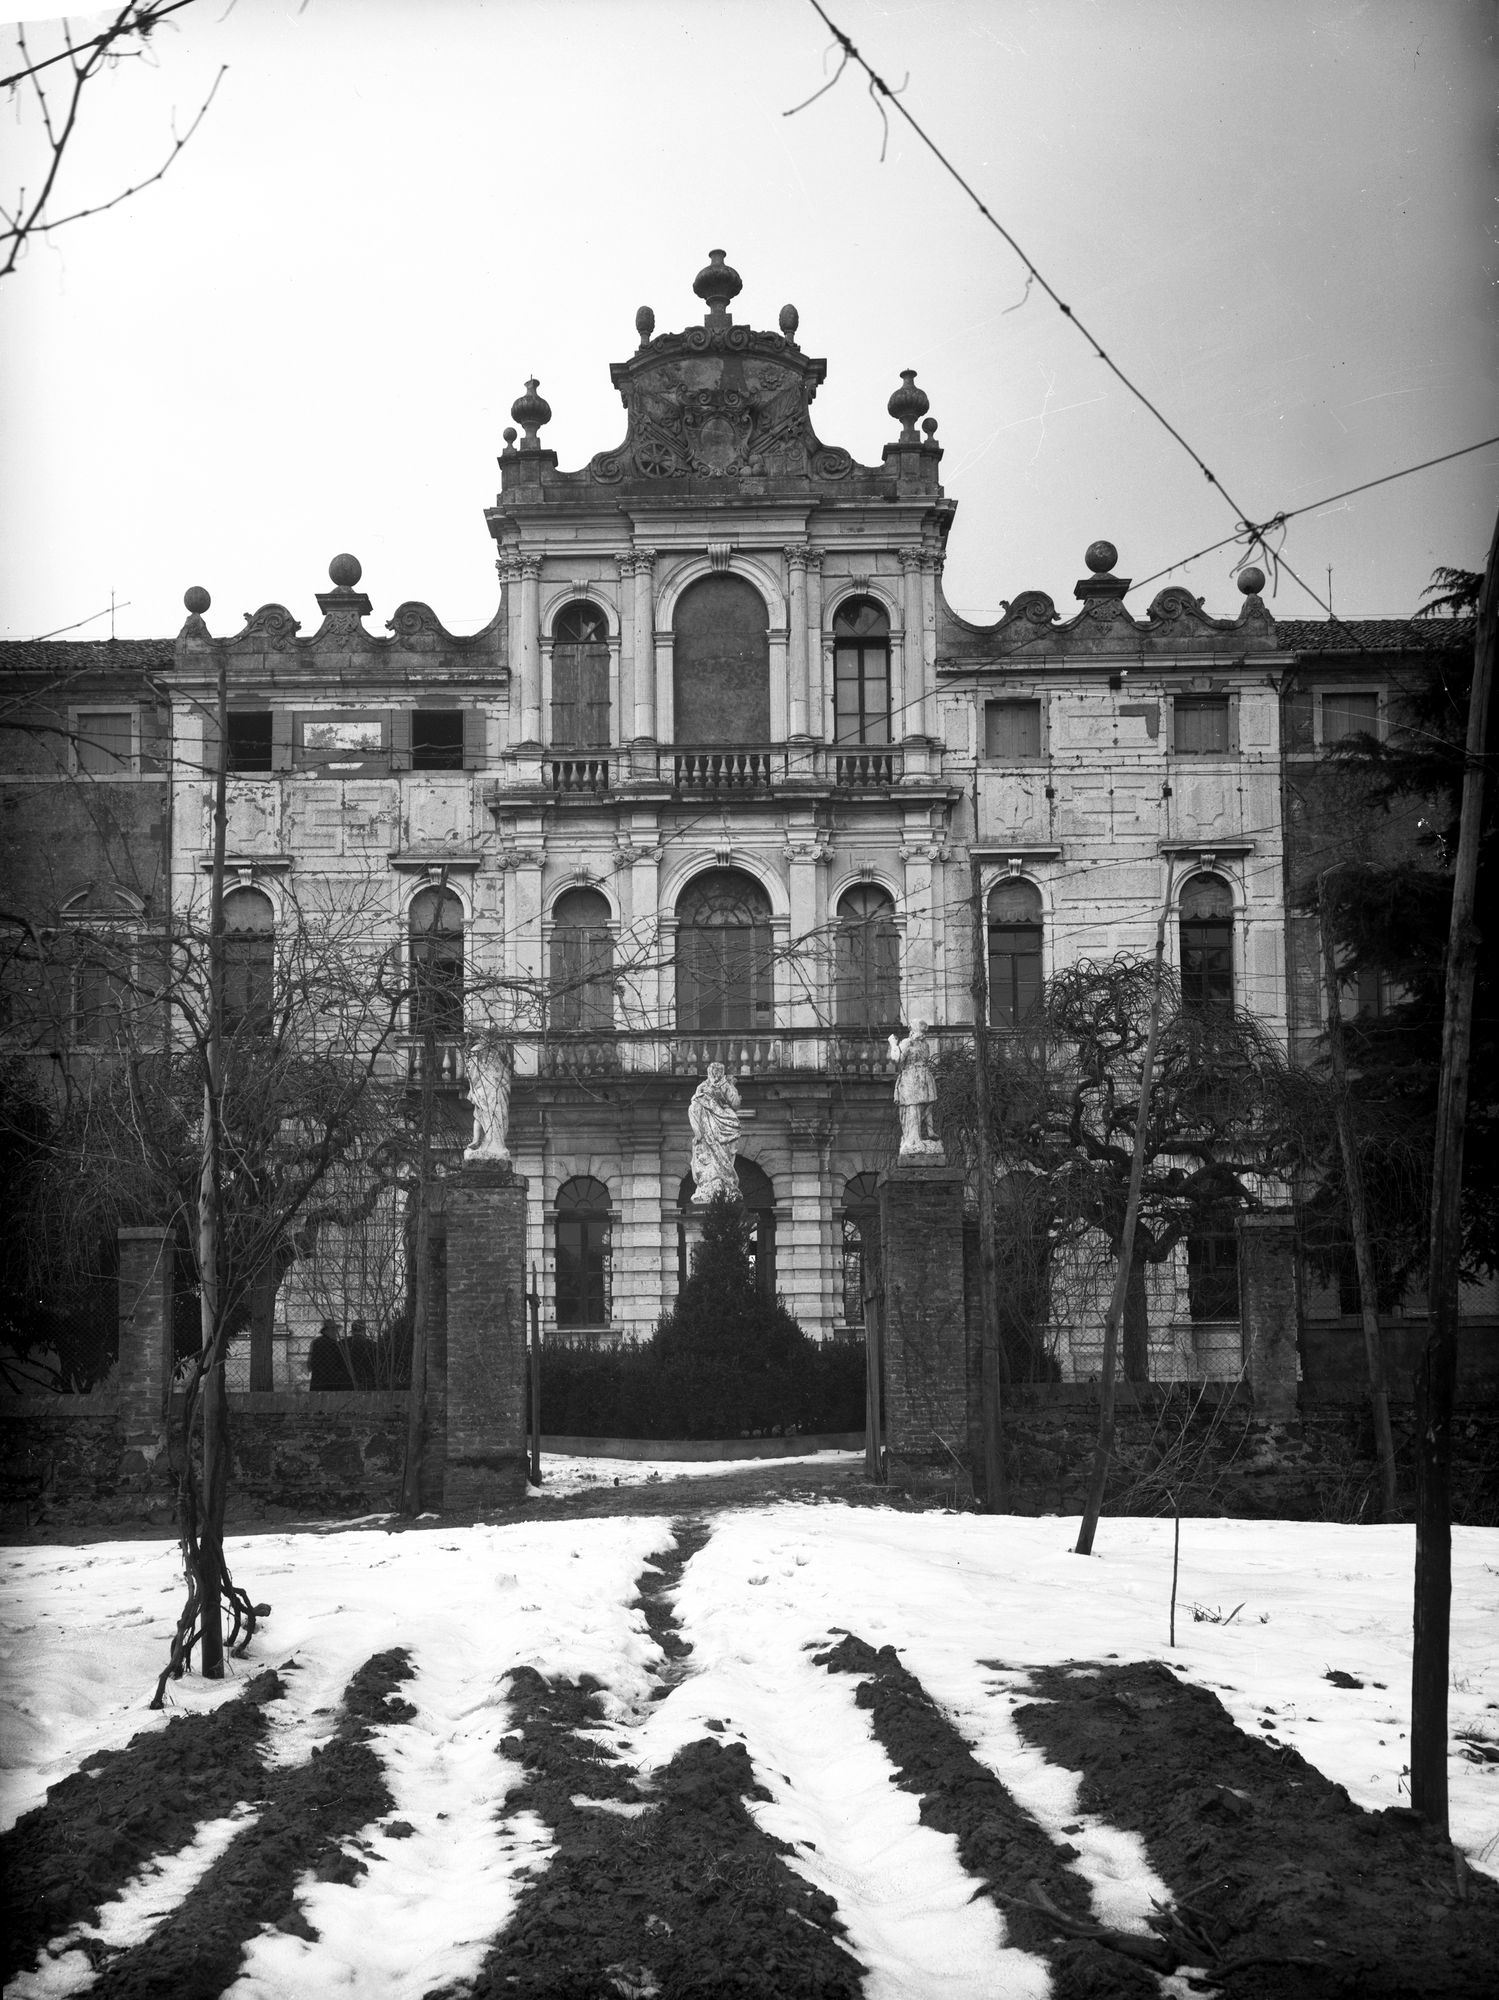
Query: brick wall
x: 925, y: 1339
x: 485, y: 1215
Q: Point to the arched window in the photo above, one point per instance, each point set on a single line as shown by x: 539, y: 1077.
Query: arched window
x: 583, y: 1251
x: 757, y: 1192
x: 580, y: 678
x: 249, y: 960
x: 867, y: 962
x: 582, y: 962
x: 437, y: 965
x: 1207, y: 946
x: 860, y: 1211
x: 1014, y: 954
x: 861, y: 672
x: 721, y: 664
x: 724, y: 983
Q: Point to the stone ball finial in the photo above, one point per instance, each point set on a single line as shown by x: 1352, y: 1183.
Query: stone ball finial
x: 907, y: 404
x: 345, y: 571
x: 509, y: 434
x: 790, y: 320
x: 1252, y: 580
x: 717, y: 282
x: 531, y: 411
x: 929, y: 429
x: 1101, y: 557
x: 196, y: 599
x: 645, y: 324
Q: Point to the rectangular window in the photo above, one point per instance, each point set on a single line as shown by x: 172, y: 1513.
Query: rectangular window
x: 861, y: 693
x: 1012, y: 731
x: 437, y: 739
x: 1345, y: 715
x: 1213, y: 1276
x: 1200, y: 725
x: 103, y: 741
x: 250, y: 739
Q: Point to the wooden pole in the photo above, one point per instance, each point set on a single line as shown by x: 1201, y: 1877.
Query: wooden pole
x: 1103, y: 1451
x: 421, y: 1277
x: 534, y: 1300
x: 210, y: 1245
x: 1358, y: 1213
x: 1436, y: 1377
x: 992, y: 1358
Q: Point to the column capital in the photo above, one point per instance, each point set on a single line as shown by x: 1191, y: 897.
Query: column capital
x: 507, y: 567
x: 802, y: 555
x: 911, y: 559
x: 528, y: 567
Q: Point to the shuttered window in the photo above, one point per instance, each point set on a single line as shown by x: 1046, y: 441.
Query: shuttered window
x: 861, y: 672
x: 580, y: 679
x: 1015, y: 943
x: 867, y: 962
x: 724, y: 979
x: 582, y: 963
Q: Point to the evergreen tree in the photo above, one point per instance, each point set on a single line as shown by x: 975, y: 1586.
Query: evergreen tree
x: 1390, y: 913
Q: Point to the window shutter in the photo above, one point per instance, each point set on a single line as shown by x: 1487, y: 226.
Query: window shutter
x: 400, y: 739
x: 593, y: 699
x: 565, y: 716
x: 210, y: 741
x: 281, y: 739
x: 473, y: 739
x: 1233, y: 725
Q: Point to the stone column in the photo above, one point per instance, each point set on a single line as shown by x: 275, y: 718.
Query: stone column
x: 530, y: 648
x: 485, y: 1464
x: 1269, y: 1311
x: 644, y: 566
x: 925, y: 1334
x: 144, y: 1371
x: 817, y: 699
x: 797, y: 723
x: 909, y: 707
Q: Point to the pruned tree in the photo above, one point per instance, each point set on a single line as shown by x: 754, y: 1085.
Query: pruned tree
x: 1226, y: 1114
x: 50, y: 87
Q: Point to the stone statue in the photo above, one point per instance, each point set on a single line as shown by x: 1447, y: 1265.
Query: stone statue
x: 714, y: 1117
x: 491, y: 1068
x: 915, y: 1094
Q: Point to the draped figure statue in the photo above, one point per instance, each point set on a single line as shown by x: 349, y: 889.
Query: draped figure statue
x: 491, y: 1069
x: 915, y: 1094
x: 714, y: 1117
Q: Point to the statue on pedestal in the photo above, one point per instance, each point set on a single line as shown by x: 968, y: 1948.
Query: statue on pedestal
x: 491, y: 1070
x: 714, y: 1117
x: 915, y: 1094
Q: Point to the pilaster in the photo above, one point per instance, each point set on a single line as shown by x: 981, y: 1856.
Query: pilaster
x: 925, y: 1334
x: 485, y: 1462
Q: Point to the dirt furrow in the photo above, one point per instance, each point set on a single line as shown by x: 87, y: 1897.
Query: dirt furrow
x: 306, y: 1813
x: 119, y: 1810
x: 1273, y: 1867
x: 1013, y: 1856
x: 680, y: 1893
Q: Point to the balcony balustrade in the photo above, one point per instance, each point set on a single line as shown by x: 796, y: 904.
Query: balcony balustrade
x: 756, y: 772
x: 688, y: 1052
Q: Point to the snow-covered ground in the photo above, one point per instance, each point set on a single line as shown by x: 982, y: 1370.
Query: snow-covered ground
x: 971, y: 1602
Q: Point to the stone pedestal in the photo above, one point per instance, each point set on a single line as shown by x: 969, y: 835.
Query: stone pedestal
x: 1269, y: 1314
x: 924, y: 1332
x: 485, y: 1461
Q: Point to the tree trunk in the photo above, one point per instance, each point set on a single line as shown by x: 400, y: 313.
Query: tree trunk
x: 1358, y: 1217
x: 1136, y: 1325
x: 1104, y: 1449
x: 1437, y: 1374
x: 210, y: 1527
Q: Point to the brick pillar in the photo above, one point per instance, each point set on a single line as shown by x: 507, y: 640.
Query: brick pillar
x: 924, y: 1331
x: 1269, y: 1314
x: 485, y: 1464
x: 145, y: 1366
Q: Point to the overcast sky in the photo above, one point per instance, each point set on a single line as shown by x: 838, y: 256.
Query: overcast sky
x: 1277, y: 217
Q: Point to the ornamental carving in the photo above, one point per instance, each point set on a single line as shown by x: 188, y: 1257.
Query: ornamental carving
x: 273, y: 626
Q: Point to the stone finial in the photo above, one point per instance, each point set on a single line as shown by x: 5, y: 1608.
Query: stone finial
x: 929, y: 429
x: 345, y: 571
x: 345, y: 601
x: 196, y: 600
x: 790, y: 320
x: 509, y: 434
x: 1101, y: 584
x: 531, y: 411
x: 716, y: 284
x: 1252, y: 580
x: 645, y: 324
x: 907, y: 404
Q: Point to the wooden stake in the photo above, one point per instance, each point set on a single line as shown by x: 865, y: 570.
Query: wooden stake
x: 1436, y: 1377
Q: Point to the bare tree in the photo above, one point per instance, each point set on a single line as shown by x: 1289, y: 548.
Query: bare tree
x: 52, y: 88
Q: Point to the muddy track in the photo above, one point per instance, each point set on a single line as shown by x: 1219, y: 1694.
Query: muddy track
x: 684, y: 1896
x: 61, y: 1860
x: 998, y: 1841
x: 1268, y: 1860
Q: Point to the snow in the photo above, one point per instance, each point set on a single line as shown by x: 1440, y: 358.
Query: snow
x: 969, y: 1602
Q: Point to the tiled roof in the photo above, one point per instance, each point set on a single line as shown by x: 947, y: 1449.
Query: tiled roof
x: 1371, y: 635
x: 74, y: 656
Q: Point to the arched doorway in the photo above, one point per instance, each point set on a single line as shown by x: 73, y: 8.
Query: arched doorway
x: 721, y: 664
x: 757, y: 1192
